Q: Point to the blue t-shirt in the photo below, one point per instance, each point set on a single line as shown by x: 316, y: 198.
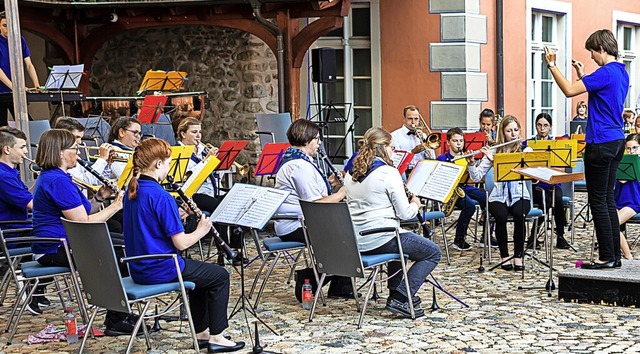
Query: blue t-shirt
x: 54, y: 192
x: 149, y: 222
x: 14, y: 197
x: 627, y: 195
x: 4, y: 59
x: 607, y: 87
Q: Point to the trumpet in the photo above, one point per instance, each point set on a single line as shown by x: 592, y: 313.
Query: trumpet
x: 475, y: 152
x: 242, y: 169
x: 115, y: 154
x: 432, y: 141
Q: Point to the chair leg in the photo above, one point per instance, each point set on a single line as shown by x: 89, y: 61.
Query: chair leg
x: 264, y: 281
x: 187, y: 309
x: 365, y: 301
x: 14, y: 328
x: 89, y: 330
x: 293, y: 266
x: 255, y: 280
x: 444, y: 239
x: 403, y: 263
x: 315, y: 298
x: 143, y: 311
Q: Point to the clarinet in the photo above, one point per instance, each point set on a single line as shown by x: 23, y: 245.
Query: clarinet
x: 230, y: 252
x: 107, y: 182
x: 425, y: 230
x: 333, y: 169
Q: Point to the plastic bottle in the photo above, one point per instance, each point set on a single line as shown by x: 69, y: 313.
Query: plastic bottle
x: 627, y: 127
x: 70, y: 326
x: 307, y: 295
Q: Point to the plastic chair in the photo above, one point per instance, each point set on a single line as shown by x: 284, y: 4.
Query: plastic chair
x: 334, y: 247
x: 272, y: 127
x: 273, y: 248
x: 106, y: 288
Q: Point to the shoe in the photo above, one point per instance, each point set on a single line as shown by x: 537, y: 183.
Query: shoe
x: 34, y: 308
x: 494, y: 243
x: 118, y: 324
x: 204, y: 343
x: 530, y: 244
x: 507, y: 267
x: 416, y: 301
x: 342, y: 296
x: 562, y: 244
x: 216, y: 348
x: 605, y: 266
x: 618, y: 264
x: 461, y: 245
x: 402, y: 308
x: 237, y: 262
x: 518, y: 268
x: 38, y: 295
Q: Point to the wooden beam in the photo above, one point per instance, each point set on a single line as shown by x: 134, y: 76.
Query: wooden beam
x: 303, y: 40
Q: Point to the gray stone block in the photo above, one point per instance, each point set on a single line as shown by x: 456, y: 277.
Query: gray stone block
x: 463, y: 28
x: 445, y: 6
x: 464, y: 86
x: 446, y: 115
x: 454, y: 57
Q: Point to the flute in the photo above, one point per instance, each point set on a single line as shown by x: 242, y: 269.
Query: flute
x: 230, y: 252
x: 474, y: 152
x: 333, y: 169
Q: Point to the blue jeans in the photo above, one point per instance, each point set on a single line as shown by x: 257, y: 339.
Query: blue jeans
x: 467, y: 205
x: 424, y: 253
x: 600, y: 169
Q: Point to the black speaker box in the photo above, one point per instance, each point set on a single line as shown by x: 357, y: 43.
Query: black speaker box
x: 323, y: 65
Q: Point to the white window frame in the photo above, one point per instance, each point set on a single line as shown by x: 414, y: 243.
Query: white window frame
x: 623, y: 20
x: 561, y: 12
x: 348, y: 43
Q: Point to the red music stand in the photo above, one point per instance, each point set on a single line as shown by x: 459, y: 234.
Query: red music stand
x: 228, y: 152
x: 472, y: 141
x: 270, y: 158
x: 152, y: 107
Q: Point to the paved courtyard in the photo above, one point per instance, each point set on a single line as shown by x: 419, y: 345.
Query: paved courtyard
x: 501, y: 317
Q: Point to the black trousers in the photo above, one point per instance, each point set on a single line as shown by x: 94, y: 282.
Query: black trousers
x: 500, y: 211
x: 6, y: 107
x: 600, y: 168
x: 208, y: 302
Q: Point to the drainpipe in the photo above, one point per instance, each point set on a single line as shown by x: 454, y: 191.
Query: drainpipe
x: 280, y: 51
x: 499, y: 58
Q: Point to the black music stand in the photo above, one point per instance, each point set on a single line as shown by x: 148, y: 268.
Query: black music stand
x: 64, y: 77
x: 328, y: 113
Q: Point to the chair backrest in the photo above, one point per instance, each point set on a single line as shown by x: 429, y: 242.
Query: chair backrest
x: 161, y: 129
x: 489, y: 183
x: 276, y: 123
x: 332, y: 238
x: 96, y: 262
x: 96, y: 128
x: 36, y: 129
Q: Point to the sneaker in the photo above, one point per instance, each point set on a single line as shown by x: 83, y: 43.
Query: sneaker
x: 402, y: 308
x: 461, y: 245
x: 562, y: 244
x: 494, y: 243
x: 34, y: 308
x: 118, y: 324
x: 38, y: 296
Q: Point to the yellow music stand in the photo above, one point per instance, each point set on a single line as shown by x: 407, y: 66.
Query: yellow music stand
x: 180, y: 156
x: 503, y: 164
x: 160, y: 80
x: 582, y: 142
x: 199, y: 174
x: 564, y: 153
x: 126, y: 175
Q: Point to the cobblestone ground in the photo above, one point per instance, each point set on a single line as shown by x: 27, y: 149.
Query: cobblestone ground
x: 501, y: 318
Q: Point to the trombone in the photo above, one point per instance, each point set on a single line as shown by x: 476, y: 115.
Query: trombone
x: 242, y: 169
x: 433, y: 140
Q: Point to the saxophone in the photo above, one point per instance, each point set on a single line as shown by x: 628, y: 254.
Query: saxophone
x: 447, y: 208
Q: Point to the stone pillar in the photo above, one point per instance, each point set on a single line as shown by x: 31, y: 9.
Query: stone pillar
x: 457, y: 58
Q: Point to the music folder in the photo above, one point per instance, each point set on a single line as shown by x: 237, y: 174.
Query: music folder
x: 400, y: 159
x: 199, y: 173
x: 504, y: 164
x: 563, y: 153
x: 629, y: 168
x: 64, y: 77
x: 435, y: 180
x: 249, y: 205
x: 549, y: 175
x: 229, y: 151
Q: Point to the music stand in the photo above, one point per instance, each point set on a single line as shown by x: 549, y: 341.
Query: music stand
x: 472, y: 142
x: 152, y: 107
x: 629, y: 168
x: 503, y: 166
x: 552, y: 177
x: 228, y: 152
x: 64, y: 77
x: 270, y: 158
x: 160, y: 80
x: 582, y: 142
x: 180, y: 157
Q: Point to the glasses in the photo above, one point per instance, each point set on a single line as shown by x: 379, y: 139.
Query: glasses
x: 633, y: 149
x: 134, y: 132
x: 74, y: 147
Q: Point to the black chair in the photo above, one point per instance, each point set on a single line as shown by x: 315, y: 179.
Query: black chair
x: 106, y: 288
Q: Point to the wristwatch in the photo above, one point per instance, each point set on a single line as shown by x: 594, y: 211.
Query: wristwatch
x: 551, y: 64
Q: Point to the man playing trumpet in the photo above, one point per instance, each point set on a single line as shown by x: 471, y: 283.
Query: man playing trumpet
x: 407, y: 137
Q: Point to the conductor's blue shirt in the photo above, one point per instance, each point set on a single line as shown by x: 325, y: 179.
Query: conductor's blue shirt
x: 149, y: 223
x: 54, y: 192
x: 607, y: 88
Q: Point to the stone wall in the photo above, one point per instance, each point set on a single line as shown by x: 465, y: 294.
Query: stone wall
x: 237, y: 69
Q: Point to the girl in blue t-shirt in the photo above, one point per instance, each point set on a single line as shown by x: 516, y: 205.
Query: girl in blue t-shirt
x: 627, y: 195
x: 607, y: 88
x: 152, y: 225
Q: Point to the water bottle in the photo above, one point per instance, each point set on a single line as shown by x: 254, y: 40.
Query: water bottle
x: 70, y: 326
x: 307, y: 295
x: 627, y: 127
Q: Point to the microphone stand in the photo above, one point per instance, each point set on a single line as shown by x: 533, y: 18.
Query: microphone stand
x: 350, y: 130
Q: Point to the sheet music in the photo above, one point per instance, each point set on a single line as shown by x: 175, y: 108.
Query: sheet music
x: 419, y: 176
x: 249, y: 205
x: 442, y: 180
x: 195, y: 171
x: 541, y: 173
x: 64, y: 77
x: 397, y: 157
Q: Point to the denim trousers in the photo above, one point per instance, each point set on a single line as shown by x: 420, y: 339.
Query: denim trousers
x: 423, y: 252
x: 600, y: 168
x: 467, y: 206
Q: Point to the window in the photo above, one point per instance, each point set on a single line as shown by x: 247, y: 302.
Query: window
x: 627, y: 48
x: 543, y: 95
x: 353, y: 100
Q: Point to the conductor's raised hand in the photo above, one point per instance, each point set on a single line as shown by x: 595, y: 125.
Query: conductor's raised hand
x: 549, y: 55
x: 579, y: 67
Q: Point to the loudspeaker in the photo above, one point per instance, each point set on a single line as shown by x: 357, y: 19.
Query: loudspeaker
x: 323, y: 65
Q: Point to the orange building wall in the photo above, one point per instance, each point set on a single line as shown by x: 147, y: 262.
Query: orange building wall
x: 407, y: 28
